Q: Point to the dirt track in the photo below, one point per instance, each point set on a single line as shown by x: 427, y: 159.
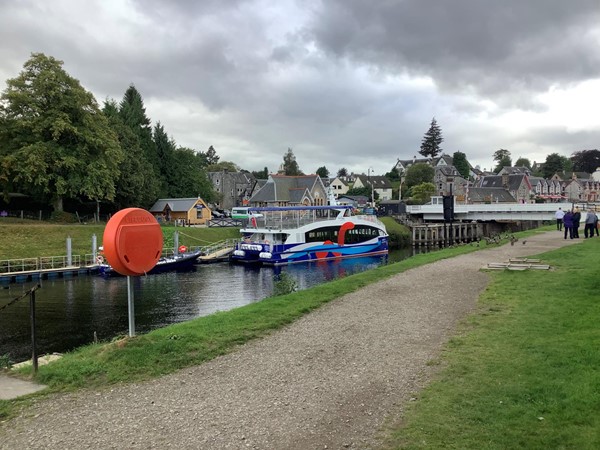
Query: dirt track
x: 330, y: 380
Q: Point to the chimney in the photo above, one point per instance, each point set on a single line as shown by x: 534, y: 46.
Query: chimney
x: 505, y: 180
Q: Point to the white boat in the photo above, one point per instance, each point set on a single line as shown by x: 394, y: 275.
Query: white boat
x: 292, y: 234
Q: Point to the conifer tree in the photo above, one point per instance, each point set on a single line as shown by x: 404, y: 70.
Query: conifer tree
x: 430, y: 146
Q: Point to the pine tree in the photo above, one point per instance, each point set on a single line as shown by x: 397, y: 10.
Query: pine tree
x: 430, y: 146
x: 290, y: 165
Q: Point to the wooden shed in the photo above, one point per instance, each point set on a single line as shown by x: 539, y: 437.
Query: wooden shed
x: 186, y: 211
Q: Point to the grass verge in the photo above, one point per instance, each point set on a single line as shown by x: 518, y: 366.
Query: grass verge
x: 525, y: 372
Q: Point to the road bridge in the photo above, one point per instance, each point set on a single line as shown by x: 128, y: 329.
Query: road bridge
x: 499, y: 212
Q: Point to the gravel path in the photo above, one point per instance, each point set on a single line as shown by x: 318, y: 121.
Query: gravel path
x: 331, y: 380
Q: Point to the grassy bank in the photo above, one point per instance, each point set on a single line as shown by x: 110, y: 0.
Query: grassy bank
x: 525, y: 372
x: 31, y: 239
x: 174, y: 347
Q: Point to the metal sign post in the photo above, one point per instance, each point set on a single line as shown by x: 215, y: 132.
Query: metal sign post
x: 34, y: 356
x: 130, y: 306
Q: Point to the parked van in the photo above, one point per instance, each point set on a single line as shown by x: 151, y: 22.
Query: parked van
x: 243, y: 213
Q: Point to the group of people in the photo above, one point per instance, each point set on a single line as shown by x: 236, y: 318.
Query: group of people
x: 571, y: 219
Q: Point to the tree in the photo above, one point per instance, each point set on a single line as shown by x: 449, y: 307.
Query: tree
x: 133, y: 114
x: 192, y: 180
x: 422, y: 192
x: 343, y: 172
x: 223, y: 166
x: 430, y: 145
x: 586, y: 160
x: 54, y: 140
x: 419, y: 173
x: 462, y: 165
x: 365, y: 191
x: 393, y: 175
x: 261, y: 174
x: 323, y: 172
x: 290, y: 166
x: 502, y: 158
x: 165, y: 150
x: 555, y: 163
x: 523, y: 162
x: 136, y: 185
x: 209, y: 157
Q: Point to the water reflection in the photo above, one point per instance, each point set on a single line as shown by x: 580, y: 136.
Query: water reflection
x: 69, y: 311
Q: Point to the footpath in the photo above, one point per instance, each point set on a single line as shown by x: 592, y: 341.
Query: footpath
x: 333, y: 379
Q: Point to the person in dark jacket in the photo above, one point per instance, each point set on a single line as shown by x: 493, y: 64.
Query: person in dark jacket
x: 576, y: 220
x: 568, y: 224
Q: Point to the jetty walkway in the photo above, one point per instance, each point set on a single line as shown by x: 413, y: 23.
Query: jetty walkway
x: 330, y: 380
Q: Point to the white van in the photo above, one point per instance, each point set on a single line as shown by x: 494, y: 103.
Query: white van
x: 243, y: 213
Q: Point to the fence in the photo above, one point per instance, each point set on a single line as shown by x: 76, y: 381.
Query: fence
x: 44, y: 263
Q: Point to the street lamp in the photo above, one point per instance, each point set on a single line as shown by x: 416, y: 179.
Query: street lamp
x: 372, y: 191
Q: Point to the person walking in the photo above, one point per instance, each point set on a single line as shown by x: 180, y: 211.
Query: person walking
x: 559, y: 214
x: 568, y: 224
x: 591, y: 219
x: 576, y: 221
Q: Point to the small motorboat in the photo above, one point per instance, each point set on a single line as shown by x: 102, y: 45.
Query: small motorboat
x: 182, y: 262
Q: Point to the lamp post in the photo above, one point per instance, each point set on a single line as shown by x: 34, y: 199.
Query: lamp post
x: 372, y: 191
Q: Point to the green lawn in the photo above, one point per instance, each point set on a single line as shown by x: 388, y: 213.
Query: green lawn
x: 525, y: 371
x: 31, y: 239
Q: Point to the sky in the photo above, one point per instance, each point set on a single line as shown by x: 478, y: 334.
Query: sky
x: 343, y: 83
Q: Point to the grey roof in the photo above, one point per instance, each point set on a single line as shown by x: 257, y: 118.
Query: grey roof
x: 281, y: 188
x: 516, y: 170
x: 379, y: 182
x: 497, y: 181
x: 175, y: 204
x: 449, y: 171
x: 483, y: 194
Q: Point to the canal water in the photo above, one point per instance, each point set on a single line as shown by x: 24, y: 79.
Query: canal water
x: 69, y: 311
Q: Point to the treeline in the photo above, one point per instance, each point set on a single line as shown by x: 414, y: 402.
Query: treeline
x: 57, y: 144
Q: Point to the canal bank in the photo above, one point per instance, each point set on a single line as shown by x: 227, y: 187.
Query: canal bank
x: 331, y: 378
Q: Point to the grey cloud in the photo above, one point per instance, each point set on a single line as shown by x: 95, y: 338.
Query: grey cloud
x: 494, y: 47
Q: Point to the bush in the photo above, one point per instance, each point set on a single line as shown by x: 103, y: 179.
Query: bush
x: 284, y: 284
x: 63, y: 217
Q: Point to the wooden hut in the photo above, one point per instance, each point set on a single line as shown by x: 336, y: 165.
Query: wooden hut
x: 185, y: 211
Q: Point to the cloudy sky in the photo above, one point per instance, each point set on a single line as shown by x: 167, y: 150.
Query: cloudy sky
x: 344, y: 83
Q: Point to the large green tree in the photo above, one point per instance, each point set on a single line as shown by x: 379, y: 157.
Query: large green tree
x: 502, y: 158
x: 54, y: 140
x: 393, y: 175
x: 421, y: 193
x: 419, y: 173
x: 430, y: 145
x: 191, y: 179
x: 343, y: 172
x: 586, y: 160
x: 290, y: 165
x: 133, y: 114
x: 323, y: 172
x: 462, y: 165
x: 523, y: 162
x: 165, y: 150
x: 136, y: 185
x: 555, y: 163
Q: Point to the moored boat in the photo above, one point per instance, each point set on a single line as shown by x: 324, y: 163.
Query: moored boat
x: 180, y: 263
x: 293, y: 234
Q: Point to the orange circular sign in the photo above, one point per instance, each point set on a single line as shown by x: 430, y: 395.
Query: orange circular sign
x: 133, y: 241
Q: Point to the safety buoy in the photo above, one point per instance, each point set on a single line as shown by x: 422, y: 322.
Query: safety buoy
x: 182, y: 249
x: 100, y: 259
